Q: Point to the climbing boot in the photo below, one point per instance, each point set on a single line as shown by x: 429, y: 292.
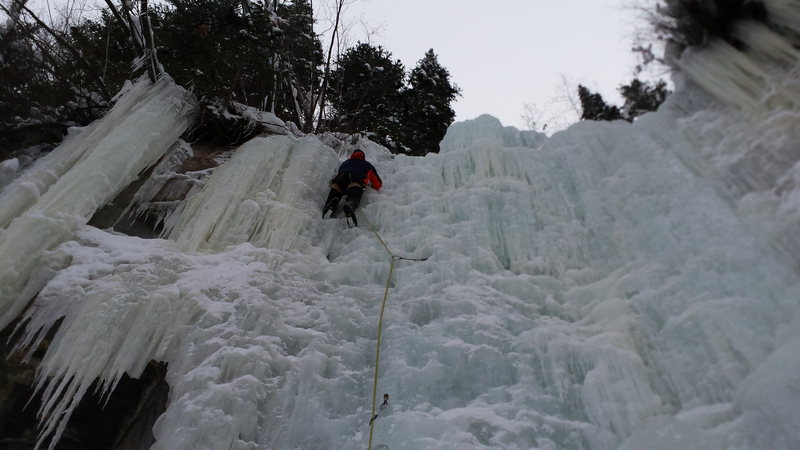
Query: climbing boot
x: 350, y: 213
x: 331, y: 204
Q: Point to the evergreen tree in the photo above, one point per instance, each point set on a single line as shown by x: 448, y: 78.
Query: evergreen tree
x: 641, y: 97
x: 260, y: 53
x: 49, y: 83
x: 427, y: 112
x: 595, y: 108
x: 218, y: 48
x: 366, y: 95
x: 104, y: 43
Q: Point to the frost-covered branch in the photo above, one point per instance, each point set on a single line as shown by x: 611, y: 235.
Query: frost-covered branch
x: 298, y: 110
x: 247, y: 8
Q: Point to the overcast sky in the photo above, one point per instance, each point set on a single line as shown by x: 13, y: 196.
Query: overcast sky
x: 505, y: 53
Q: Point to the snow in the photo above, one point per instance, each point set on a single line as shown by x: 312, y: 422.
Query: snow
x: 616, y: 285
x: 270, y: 121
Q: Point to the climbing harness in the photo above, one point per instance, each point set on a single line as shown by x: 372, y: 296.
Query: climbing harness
x: 393, y: 259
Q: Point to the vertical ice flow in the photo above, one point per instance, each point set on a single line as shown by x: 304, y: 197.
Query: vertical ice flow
x: 264, y: 195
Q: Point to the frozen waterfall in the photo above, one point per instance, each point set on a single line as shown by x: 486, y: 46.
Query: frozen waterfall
x: 613, y: 286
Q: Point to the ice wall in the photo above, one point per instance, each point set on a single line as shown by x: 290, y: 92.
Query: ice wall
x: 45, y: 205
x: 486, y: 127
x: 591, y: 292
x: 614, y: 286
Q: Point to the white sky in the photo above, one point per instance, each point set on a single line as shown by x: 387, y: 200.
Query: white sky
x: 505, y: 53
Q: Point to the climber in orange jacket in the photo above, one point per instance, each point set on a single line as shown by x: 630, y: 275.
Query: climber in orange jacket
x: 350, y: 181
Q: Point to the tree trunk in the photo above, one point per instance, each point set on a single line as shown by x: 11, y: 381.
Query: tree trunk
x: 136, y: 32
x: 139, y: 52
x: 153, y: 67
x: 339, y: 6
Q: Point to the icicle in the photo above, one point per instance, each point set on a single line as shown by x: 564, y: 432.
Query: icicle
x: 785, y: 13
x: 766, y: 43
x: 726, y: 73
x: 743, y: 78
x: 262, y: 195
x: 614, y: 286
x: 46, y: 204
x: 113, y: 328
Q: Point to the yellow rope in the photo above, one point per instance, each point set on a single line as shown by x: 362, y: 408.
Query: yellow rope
x: 375, y: 230
x: 393, y: 258
x: 378, y: 352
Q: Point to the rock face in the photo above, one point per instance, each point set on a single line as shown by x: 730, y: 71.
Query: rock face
x: 123, y: 421
x: 140, y: 208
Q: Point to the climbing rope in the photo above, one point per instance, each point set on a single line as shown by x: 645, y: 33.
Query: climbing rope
x: 392, y: 260
x: 374, y: 229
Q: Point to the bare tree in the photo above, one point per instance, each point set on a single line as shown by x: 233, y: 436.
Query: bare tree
x: 138, y: 48
x: 568, y: 95
x: 141, y: 33
x: 340, y: 4
x: 368, y: 30
x: 533, y: 117
x: 558, y: 112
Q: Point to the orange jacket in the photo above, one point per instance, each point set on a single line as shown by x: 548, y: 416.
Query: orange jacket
x: 361, y: 170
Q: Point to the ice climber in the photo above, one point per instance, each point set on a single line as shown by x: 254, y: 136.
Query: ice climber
x: 353, y: 176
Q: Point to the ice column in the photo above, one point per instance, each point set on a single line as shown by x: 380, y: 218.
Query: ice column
x: 267, y: 194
